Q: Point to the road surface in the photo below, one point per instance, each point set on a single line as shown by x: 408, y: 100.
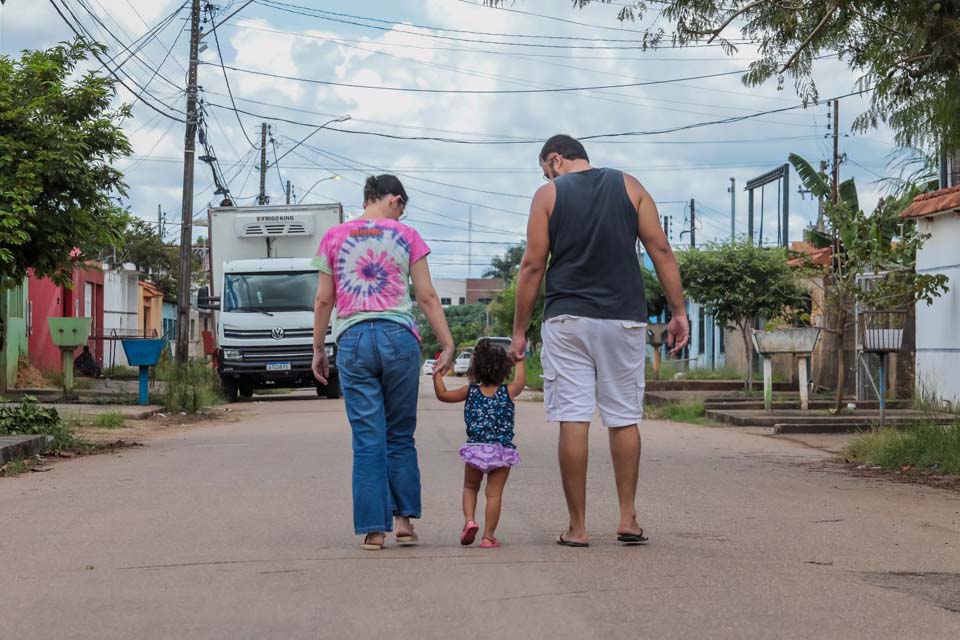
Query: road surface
x: 242, y: 529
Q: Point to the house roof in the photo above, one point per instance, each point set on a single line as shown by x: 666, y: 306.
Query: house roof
x: 933, y: 203
x: 151, y: 289
x: 821, y: 257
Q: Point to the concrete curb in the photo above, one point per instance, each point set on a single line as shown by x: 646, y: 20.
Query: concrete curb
x: 19, y: 447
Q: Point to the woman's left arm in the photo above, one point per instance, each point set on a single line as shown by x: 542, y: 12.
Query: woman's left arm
x: 322, y: 308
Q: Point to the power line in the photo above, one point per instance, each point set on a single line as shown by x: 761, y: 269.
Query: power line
x: 348, y: 85
x: 687, y: 127
x: 226, y: 80
x: 303, y: 11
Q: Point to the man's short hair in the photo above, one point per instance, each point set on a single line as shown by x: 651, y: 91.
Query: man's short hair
x: 568, y: 147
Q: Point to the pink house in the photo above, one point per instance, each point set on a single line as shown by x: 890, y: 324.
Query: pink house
x: 45, y: 299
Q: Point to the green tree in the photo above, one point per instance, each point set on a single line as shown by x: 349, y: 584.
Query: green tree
x: 905, y: 51
x: 506, y: 266
x: 881, y: 243
x: 467, y: 322
x: 504, y: 306
x: 739, y: 283
x: 656, y: 300
x: 59, y: 137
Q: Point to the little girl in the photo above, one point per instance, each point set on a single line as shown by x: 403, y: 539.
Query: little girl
x: 489, y: 449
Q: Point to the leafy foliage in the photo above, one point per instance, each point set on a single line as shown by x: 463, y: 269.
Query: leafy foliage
x: 59, y: 137
x: 506, y: 266
x: 194, y: 388
x: 656, y: 300
x: 31, y: 418
x: 504, y: 307
x: 738, y: 283
x: 466, y: 322
x: 905, y: 51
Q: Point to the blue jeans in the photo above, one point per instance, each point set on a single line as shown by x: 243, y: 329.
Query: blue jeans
x: 379, y: 364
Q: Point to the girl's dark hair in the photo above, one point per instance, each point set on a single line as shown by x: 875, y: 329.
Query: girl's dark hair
x: 377, y: 187
x: 490, y: 364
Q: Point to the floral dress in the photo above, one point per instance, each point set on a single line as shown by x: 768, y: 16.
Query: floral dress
x: 489, y: 430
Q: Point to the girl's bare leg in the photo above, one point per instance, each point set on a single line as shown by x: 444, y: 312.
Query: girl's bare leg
x: 496, y: 480
x: 472, y: 477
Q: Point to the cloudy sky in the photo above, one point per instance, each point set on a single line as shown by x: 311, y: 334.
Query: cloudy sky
x: 288, y: 63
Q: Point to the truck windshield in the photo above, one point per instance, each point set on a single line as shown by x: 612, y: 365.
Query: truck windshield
x: 270, y: 292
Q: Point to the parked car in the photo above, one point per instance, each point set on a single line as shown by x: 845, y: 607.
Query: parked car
x: 428, y: 367
x: 462, y: 364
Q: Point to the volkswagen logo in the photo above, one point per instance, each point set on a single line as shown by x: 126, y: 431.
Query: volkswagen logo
x: 277, y: 333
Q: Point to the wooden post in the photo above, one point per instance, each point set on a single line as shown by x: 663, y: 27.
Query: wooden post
x: 804, y: 386
x: 768, y: 383
x: 656, y: 362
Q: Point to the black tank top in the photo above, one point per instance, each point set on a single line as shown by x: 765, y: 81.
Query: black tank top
x: 594, y: 269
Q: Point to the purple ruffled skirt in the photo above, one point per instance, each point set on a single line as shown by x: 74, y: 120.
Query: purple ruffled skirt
x: 489, y: 456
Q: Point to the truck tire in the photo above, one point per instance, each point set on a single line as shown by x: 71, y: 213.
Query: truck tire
x: 245, y: 389
x: 229, y: 389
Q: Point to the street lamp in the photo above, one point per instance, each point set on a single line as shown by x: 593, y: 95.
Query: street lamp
x: 333, y: 177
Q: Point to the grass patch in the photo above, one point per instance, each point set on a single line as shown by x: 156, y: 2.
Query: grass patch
x: 14, y: 468
x: 534, y: 371
x: 55, y: 380
x: 924, y: 448
x: 109, y: 420
x: 193, y: 389
x: 670, y: 370
x: 693, y: 412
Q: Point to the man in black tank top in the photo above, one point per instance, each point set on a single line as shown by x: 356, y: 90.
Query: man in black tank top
x: 587, y: 222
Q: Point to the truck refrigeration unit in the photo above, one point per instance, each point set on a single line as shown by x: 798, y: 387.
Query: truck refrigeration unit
x: 262, y: 291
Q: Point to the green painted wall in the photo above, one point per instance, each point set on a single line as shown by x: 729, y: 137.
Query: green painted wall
x: 13, y: 314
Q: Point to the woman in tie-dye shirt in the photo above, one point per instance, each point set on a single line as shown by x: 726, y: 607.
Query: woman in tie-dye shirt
x: 365, y: 269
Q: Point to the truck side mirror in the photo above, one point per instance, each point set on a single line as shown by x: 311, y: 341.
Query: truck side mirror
x: 204, y: 301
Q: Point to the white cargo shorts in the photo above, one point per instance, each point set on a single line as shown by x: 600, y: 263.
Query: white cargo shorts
x: 590, y: 363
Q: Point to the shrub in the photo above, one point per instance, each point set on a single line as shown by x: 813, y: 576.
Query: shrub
x: 534, y: 371
x: 684, y: 412
x: 31, y: 418
x: 194, y: 388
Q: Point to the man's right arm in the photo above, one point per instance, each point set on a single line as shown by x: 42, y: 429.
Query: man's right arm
x: 661, y: 254
x: 533, y: 266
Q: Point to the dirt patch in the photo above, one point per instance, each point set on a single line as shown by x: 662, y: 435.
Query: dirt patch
x: 900, y: 476
x: 940, y: 589
x: 136, y: 430
x: 29, y: 377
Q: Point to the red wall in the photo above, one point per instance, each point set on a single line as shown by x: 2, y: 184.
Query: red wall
x: 48, y: 300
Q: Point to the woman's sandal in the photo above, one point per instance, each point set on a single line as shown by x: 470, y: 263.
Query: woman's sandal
x: 366, y: 545
x: 408, y: 539
x: 563, y: 542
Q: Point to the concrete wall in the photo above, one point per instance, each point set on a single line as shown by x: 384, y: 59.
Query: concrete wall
x: 483, y: 289
x: 452, y: 291
x: 120, y: 308
x: 937, y: 336
x: 49, y: 300
x: 13, y: 315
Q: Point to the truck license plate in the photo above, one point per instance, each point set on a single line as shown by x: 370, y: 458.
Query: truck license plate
x: 278, y: 366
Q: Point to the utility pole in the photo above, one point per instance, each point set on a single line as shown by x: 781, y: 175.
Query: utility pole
x: 733, y: 209
x: 693, y: 224
x: 186, y: 208
x: 160, y: 222
x: 262, y: 200
x: 835, y: 191
x: 823, y: 170
x: 289, y: 190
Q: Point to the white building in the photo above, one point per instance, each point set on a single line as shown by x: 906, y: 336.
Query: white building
x: 938, y: 325
x: 121, y: 300
x: 452, y: 292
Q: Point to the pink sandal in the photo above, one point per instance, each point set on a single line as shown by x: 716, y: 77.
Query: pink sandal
x: 489, y: 543
x: 469, y: 533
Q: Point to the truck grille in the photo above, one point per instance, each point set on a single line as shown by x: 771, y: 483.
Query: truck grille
x: 265, y: 334
x: 274, y: 354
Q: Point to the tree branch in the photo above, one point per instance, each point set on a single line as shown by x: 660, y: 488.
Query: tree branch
x: 736, y: 14
x: 809, y: 38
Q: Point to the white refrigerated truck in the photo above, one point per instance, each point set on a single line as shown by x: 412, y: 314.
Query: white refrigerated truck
x: 262, y: 290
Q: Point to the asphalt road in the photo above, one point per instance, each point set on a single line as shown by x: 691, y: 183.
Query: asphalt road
x: 243, y: 529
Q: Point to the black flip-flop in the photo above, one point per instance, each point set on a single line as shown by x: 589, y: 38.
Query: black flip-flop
x: 570, y: 543
x: 632, y: 538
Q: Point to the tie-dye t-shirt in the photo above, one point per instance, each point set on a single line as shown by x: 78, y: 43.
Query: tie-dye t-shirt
x: 370, y: 263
